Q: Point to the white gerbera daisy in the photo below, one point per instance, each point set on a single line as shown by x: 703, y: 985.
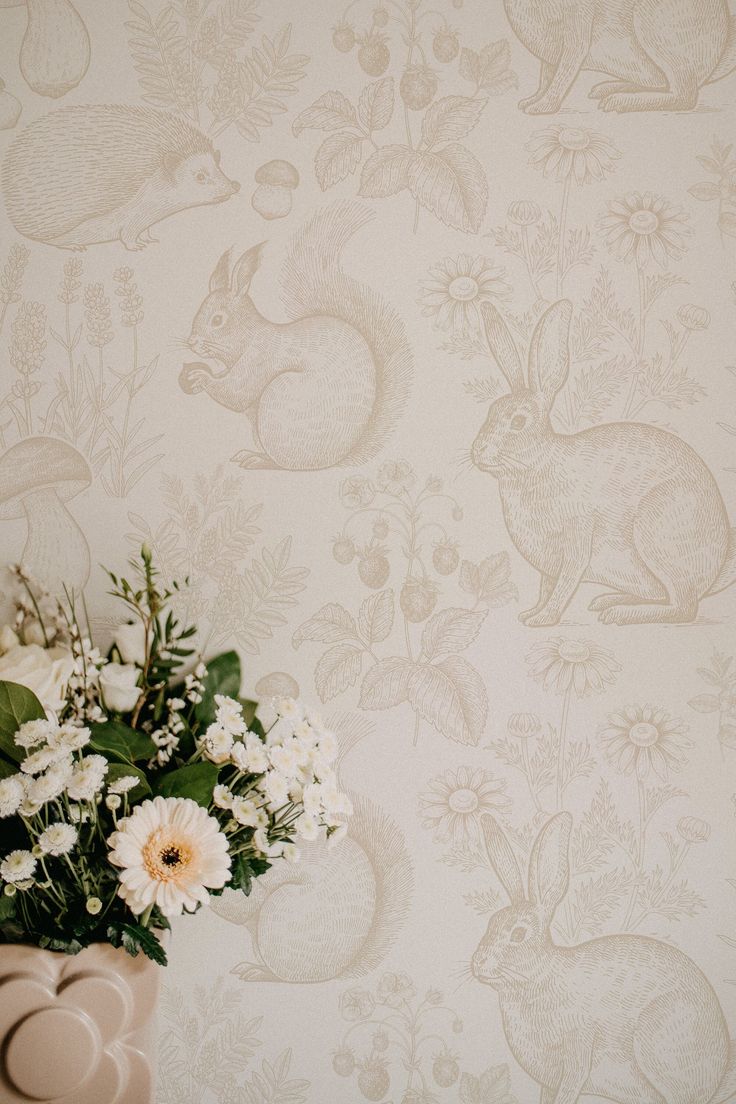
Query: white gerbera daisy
x: 170, y: 851
x: 18, y: 866
x: 58, y: 839
x: 11, y: 795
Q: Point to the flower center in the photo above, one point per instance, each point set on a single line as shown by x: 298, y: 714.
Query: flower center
x: 643, y: 734
x: 164, y: 858
x: 574, y: 651
x: 463, y: 801
x: 643, y: 222
x: 463, y: 288
x: 574, y: 138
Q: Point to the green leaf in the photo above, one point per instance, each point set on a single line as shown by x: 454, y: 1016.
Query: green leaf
x: 125, y: 770
x: 7, y: 907
x: 249, y: 716
x: 223, y: 677
x: 116, y: 740
x: 18, y: 704
x: 6, y: 768
x: 196, y: 781
x: 135, y: 938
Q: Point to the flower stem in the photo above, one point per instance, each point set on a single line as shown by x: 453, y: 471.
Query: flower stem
x: 562, y: 233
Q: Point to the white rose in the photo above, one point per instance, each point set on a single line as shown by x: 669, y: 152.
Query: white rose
x: 45, y: 671
x: 130, y: 641
x: 118, y: 686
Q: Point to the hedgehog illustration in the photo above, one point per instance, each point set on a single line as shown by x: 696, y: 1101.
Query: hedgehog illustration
x: 107, y: 172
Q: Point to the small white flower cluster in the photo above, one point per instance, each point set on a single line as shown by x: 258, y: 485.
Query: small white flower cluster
x: 290, y: 777
x: 56, y: 789
x: 167, y: 736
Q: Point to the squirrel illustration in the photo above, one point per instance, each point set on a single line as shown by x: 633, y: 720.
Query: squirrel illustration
x: 322, y: 390
x: 106, y: 172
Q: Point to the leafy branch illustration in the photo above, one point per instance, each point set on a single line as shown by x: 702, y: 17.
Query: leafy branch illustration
x: 92, y: 405
x: 191, y: 57
x: 437, y: 170
x: 207, y: 1047
x: 617, y: 360
x: 441, y: 686
x: 394, y: 1036
x: 722, y: 191
x: 236, y: 592
x: 720, y: 699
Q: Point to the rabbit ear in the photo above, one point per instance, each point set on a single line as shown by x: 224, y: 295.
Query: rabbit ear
x: 220, y: 278
x: 501, y: 344
x: 549, y: 352
x: 549, y: 864
x: 245, y: 268
x: 502, y: 858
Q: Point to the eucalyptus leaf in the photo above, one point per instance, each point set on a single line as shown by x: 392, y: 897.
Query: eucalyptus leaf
x: 197, y: 780
x: 118, y: 741
x: 18, y: 705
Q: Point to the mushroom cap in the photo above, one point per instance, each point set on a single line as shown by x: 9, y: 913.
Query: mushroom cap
x: 278, y: 172
x: 36, y: 464
x: 277, y: 685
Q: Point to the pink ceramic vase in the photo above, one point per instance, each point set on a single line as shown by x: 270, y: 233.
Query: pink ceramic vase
x: 77, y: 1029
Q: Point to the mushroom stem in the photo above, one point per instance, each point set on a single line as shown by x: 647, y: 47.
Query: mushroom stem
x: 56, y: 551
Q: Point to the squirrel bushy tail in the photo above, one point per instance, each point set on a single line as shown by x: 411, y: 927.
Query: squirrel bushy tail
x: 313, y: 283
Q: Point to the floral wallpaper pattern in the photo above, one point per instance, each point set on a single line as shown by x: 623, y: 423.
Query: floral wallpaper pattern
x: 404, y: 329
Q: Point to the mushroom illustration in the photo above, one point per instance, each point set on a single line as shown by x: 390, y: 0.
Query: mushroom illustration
x: 276, y: 181
x: 38, y: 476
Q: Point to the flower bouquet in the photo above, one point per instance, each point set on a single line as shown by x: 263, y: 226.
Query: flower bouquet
x: 131, y: 791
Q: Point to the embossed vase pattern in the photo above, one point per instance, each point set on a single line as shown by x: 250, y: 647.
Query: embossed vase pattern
x: 78, y: 1028
x: 405, y: 330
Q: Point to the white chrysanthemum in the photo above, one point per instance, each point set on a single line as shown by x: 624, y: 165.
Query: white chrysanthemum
x: 222, y: 797
x: 33, y: 733
x: 48, y: 786
x: 171, y: 852
x: 280, y: 731
x: 229, y: 714
x: 307, y: 828
x: 291, y: 852
x: 123, y: 785
x: 38, y: 761
x: 328, y: 746
x: 245, y: 811
x: 217, y: 743
x: 275, y: 786
x: 58, y: 839
x: 290, y: 708
x: 87, y: 778
x: 18, y: 866
x: 11, y: 795
x: 69, y: 737
x: 257, y: 755
x: 284, y: 758
x: 239, y: 756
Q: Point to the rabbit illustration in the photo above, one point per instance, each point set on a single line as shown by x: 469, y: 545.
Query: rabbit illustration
x: 626, y: 505
x: 321, y: 390
x: 660, y: 52
x: 624, y: 1017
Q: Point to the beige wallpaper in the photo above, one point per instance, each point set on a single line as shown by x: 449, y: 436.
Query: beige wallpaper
x: 426, y: 378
